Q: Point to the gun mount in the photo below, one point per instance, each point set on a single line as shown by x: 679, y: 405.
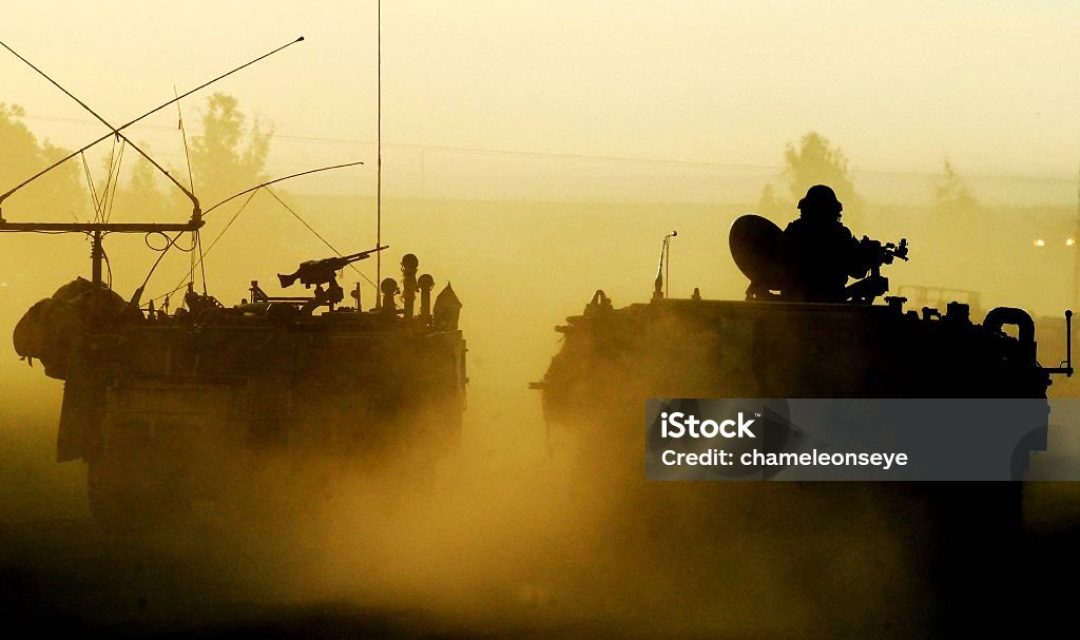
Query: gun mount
x: 865, y: 290
x: 767, y: 259
x: 322, y: 274
x: 317, y: 272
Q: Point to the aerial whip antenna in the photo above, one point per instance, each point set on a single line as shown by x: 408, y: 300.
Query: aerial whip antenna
x: 197, y: 234
x: 1076, y: 248
x: 114, y: 130
x: 183, y: 134
x: 662, y: 284
x: 282, y: 178
x: 124, y: 126
x: 378, y: 145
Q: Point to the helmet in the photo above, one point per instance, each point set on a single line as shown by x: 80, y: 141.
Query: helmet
x: 820, y: 199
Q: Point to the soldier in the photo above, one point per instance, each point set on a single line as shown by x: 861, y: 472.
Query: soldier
x: 820, y: 252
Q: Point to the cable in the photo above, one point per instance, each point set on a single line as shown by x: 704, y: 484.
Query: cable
x: 170, y: 242
x: 108, y: 266
x: 116, y: 130
x: 276, y: 180
x: 202, y: 254
x: 114, y: 180
x: 90, y: 185
x: 317, y: 234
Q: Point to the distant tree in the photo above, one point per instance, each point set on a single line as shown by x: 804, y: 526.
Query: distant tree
x: 142, y: 183
x: 56, y: 195
x: 952, y: 195
x: 816, y: 161
x: 141, y: 195
x: 229, y: 156
x: 770, y: 205
x: 812, y: 161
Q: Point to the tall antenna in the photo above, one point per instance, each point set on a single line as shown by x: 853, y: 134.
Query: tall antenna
x: 661, y: 286
x: 183, y: 134
x: 378, y: 148
x: 1076, y: 248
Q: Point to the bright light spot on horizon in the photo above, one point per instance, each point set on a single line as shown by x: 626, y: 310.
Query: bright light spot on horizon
x: 1040, y: 243
x: 1070, y: 242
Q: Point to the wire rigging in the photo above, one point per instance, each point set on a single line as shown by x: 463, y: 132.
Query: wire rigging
x: 281, y: 179
x: 183, y: 135
x: 114, y: 181
x: 117, y: 130
x: 199, y: 262
x: 195, y: 244
x: 317, y: 234
x: 91, y: 187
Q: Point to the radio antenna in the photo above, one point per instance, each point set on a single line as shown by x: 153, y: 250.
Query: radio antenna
x: 114, y: 130
x: 183, y: 134
x: 117, y: 130
x: 662, y: 284
x: 378, y: 147
x: 1076, y: 248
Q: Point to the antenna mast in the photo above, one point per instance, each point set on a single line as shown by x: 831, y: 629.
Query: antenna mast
x: 1076, y: 247
x: 663, y: 269
x: 378, y: 149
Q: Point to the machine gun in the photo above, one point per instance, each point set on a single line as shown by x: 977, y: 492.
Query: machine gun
x: 322, y: 274
x: 319, y: 272
x: 759, y: 250
x: 876, y: 255
x: 881, y: 254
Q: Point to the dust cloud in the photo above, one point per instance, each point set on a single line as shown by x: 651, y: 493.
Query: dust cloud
x: 511, y: 530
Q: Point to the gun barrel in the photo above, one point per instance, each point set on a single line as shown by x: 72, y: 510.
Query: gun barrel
x: 360, y: 255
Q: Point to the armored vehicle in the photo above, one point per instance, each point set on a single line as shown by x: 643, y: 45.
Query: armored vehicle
x: 208, y: 403
x: 774, y: 345
x: 170, y: 408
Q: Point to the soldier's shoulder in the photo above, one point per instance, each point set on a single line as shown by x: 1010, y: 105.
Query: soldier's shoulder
x: 843, y: 230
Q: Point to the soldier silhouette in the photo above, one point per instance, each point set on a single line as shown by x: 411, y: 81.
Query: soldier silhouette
x: 820, y: 252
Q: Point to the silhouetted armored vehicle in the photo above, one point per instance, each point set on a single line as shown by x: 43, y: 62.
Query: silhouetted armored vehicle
x: 211, y: 403
x: 167, y: 408
x: 771, y: 346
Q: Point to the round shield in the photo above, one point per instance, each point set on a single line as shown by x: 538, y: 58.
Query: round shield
x: 757, y: 247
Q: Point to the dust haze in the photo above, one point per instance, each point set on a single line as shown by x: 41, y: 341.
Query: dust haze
x: 521, y: 527
x: 507, y: 532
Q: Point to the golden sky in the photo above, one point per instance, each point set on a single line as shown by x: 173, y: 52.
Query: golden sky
x: 994, y: 86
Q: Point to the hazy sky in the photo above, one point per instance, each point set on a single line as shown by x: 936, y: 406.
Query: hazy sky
x: 993, y: 85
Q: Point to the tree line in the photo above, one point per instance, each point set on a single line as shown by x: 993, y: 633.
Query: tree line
x: 815, y: 160
x: 228, y: 156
